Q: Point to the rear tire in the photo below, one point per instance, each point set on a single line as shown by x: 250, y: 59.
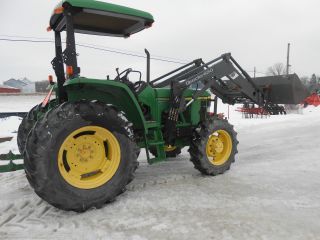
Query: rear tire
x: 213, y: 147
x: 25, y: 127
x: 29, y: 121
x: 58, y: 173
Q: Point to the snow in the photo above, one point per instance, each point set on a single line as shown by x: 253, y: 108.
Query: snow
x: 8, y: 128
x: 14, y: 103
x: 271, y: 192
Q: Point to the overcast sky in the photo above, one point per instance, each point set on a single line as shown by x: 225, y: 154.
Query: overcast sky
x: 256, y: 32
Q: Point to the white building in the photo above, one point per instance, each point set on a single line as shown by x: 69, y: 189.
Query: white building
x: 24, y: 84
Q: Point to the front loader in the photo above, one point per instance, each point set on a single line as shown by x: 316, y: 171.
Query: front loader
x: 81, y: 148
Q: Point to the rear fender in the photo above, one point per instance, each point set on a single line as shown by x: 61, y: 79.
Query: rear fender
x: 109, y: 92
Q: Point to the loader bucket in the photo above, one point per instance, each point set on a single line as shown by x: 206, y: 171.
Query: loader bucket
x: 283, y: 89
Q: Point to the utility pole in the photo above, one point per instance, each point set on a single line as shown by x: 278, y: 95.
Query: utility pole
x: 254, y: 73
x: 288, y: 59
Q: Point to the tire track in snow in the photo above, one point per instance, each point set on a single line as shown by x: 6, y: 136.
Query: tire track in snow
x: 139, y: 185
x: 31, y: 212
x: 8, y: 219
x: 25, y: 214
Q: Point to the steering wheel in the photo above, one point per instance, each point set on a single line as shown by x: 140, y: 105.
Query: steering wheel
x: 125, y: 77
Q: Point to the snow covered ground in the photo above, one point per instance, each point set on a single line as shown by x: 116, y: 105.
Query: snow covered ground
x: 271, y: 192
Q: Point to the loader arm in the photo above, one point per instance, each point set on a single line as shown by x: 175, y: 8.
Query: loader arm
x: 223, y: 76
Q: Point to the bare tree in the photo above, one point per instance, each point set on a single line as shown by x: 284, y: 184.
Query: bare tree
x: 276, y: 69
x: 305, y: 80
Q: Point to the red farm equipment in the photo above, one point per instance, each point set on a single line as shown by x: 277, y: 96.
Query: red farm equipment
x: 313, y: 99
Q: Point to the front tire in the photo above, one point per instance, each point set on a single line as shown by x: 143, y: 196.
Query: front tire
x: 213, y: 147
x: 80, y: 155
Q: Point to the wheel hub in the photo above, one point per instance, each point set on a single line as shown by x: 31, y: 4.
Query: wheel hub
x: 87, y: 149
x: 85, y: 152
x: 89, y: 157
x: 219, y: 147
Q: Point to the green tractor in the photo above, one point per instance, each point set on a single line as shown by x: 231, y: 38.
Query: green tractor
x: 81, y: 148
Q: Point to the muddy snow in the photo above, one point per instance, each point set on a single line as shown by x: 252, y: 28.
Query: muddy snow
x: 271, y: 192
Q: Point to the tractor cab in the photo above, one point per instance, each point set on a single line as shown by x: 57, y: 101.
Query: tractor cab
x: 95, y: 18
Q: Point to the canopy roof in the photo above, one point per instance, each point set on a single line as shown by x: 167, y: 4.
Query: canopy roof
x: 100, y: 18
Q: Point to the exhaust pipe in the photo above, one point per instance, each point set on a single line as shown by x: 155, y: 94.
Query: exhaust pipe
x: 148, y: 65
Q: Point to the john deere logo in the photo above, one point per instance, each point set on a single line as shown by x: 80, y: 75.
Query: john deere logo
x: 206, y: 73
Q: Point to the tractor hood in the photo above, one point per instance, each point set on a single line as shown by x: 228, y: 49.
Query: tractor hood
x: 100, y: 18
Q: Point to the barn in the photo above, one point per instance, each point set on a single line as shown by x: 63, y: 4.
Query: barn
x: 24, y: 84
x: 7, y: 89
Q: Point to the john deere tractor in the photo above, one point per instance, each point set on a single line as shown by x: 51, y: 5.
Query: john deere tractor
x: 81, y: 148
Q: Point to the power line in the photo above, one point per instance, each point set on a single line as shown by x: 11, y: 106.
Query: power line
x: 89, y: 44
x: 95, y: 47
x: 18, y: 38
x: 128, y: 54
x: 24, y: 40
x: 91, y: 47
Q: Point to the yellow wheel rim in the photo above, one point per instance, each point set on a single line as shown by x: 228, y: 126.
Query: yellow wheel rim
x: 219, y: 147
x: 169, y: 148
x: 89, y: 157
